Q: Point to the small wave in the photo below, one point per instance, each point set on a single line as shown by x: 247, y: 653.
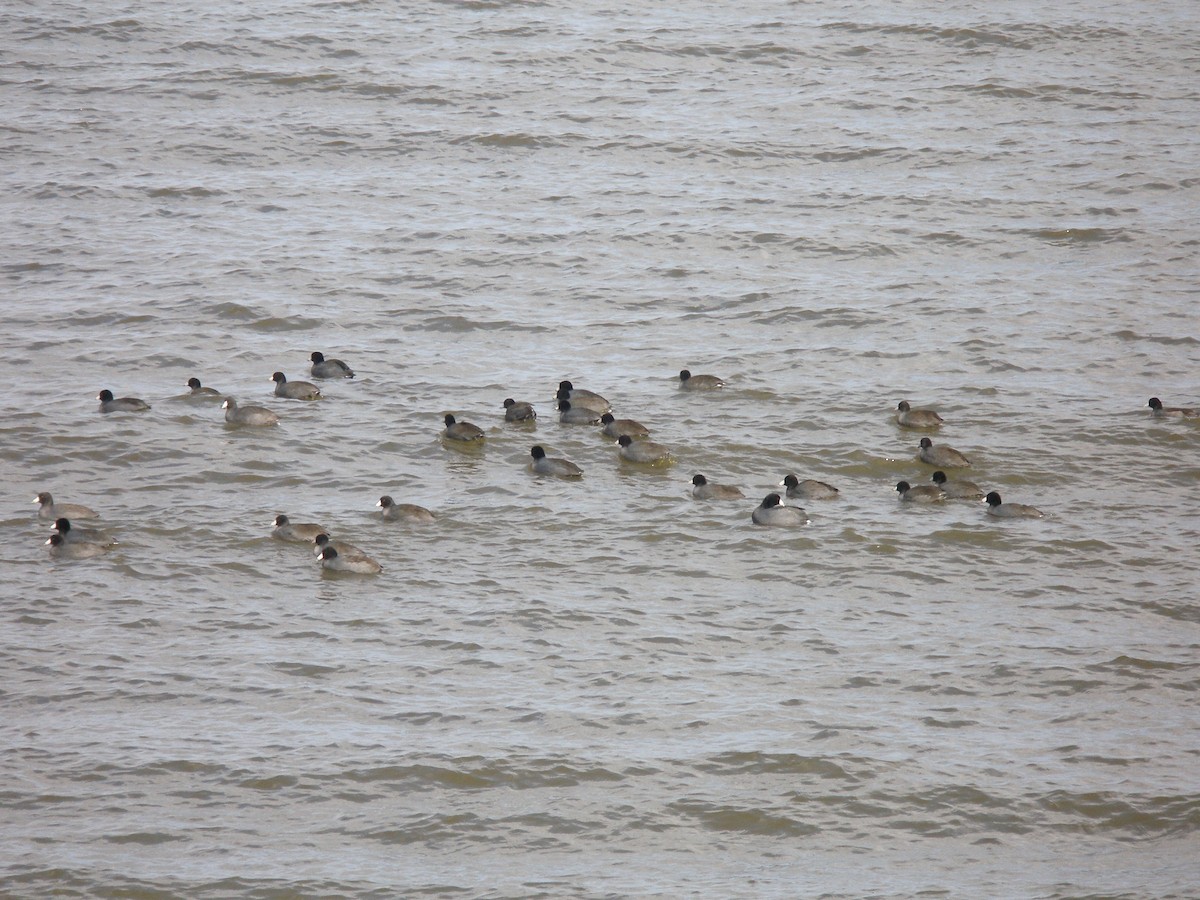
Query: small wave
x: 747, y: 820
x: 189, y: 192
x: 1072, y: 236
x: 517, y: 140
x: 1104, y: 811
x: 146, y: 838
x: 749, y: 763
x: 1126, y: 334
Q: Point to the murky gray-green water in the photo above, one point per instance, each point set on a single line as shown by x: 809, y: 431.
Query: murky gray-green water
x: 604, y: 688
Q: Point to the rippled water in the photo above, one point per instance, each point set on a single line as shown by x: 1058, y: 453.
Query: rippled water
x: 604, y: 688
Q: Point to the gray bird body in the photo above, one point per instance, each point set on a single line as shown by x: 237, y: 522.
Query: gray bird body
x: 515, y: 411
x: 109, y: 404
x: 957, y: 488
x: 690, y: 382
x: 257, y: 416
x: 61, y: 549
x: 614, y: 427
x: 646, y: 453
x: 546, y: 465
x: 461, y: 431
x: 570, y: 414
x: 941, y: 456
x: 1172, y: 412
x: 391, y: 511
x: 297, y: 532
x: 332, y: 561
x: 1001, y: 510
x: 916, y: 418
x: 772, y: 513
x: 73, y: 535
x: 808, y: 489
x: 199, y: 390
x: 48, y: 510
x: 922, y: 493
x: 295, y: 390
x: 703, y: 489
x: 329, y: 368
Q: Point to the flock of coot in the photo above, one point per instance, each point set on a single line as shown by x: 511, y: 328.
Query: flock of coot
x: 575, y: 406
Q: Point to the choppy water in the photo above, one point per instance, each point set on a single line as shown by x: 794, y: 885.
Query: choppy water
x: 602, y: 689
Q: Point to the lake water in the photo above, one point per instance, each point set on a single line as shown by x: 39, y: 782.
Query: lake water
x: 602, y: 688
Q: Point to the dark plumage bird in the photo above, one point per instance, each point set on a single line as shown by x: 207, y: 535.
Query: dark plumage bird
x: 322, y: 540
x: 772, y: 512
x: 329, y: 368
x: 1002, y: 510
x: 582, y: 400
x: 48, y: 509
x: 570, y: 414
x: 703, y: 489
x: 614, y: 427
x: 582, y: 397
x: 808, y: 489
x: 73, y: 535
x: 391, y: 511
x: 916, y: 418
x: 461, y: 431
x: 333, y: 561
x: 646, y: 453
x: 61, y: 549
x: 258, y: 416
x: 1172, y: 412
x: 957, y: 488
x: 690, y: 382
x: 518, y: 412
x: 943, y: 457
x: 295, y: 390
x: 199, y: 390
x: 296, y: 532
x: 546, y: 465
x: 121, y: 404
x: 922, y: 493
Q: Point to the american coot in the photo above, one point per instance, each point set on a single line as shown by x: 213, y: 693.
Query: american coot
x: 581, y: 397
x: 916, y: 418
x: 614, y: 427
x: 922, y: 493
x: 518, y: 412
x: 120, y: 404
x: 322, y: 540
x: 298, y: 533
x: 690, y: 382
x: 199, y: 390
x: 50, y: 510
x: 772, y: 512
x: 61, y: 549
x: 943, y: 457
x: 958, y: 488
x: 329, y: 368
x: 74, y: 535
x: 461, y: 431
x: 1002, y: 510
x: 248, y: 415
x: 391, y: 511
x: 570, y: 414
x: 332, y: 561
x: 1172, y: 412
x: 808, y: 489
x: 598, y: 405
x: 295, y: 390
x: 644, y: 452
x: 546, y: 465
x: 702, y: 489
